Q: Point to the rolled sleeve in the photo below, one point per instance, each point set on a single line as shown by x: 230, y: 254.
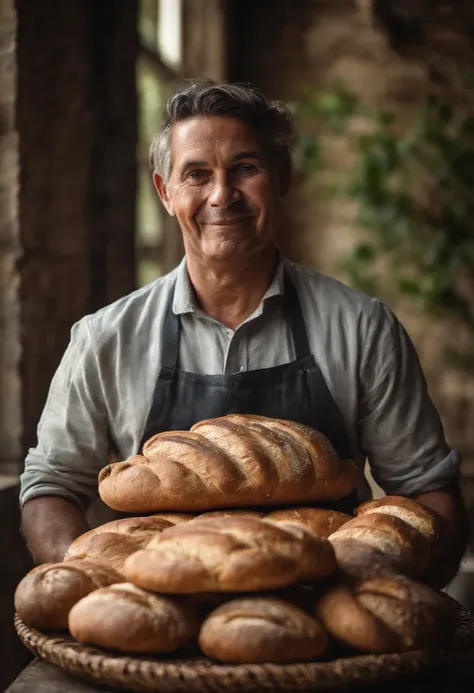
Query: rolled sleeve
x: 399, y: 429
x: 73, y: 439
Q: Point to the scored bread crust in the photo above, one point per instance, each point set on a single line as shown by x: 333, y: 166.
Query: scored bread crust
x: 261, y: 630
x: 230, y: 554
x: 377, y: 543
x: 114, y: 541
x: 386, y: 614
x: 126, y: 618
x: 233, y: 461
x: 44, y: 597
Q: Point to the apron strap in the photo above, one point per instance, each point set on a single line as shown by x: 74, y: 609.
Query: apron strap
x: 171, y: 330
x: 295, y: 319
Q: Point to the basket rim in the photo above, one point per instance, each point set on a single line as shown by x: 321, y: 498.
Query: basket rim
x: 199, y: 674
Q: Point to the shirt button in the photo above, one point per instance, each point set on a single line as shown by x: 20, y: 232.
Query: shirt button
x: 229, y: 333
x: 242, y: 368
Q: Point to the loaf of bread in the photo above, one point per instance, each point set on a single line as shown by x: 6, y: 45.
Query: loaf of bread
x: 45, y: 596
x: 419, y: 517
x: 378, y: 543
x: 231, y: 555
x: 386, y: 614
x: 233, y: 461
x: 261, y: 629
x: 124, y: 617
x: 114, y: 541
x: 321, y: 521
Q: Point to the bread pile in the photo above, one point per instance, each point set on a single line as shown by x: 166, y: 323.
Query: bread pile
x: 243, y: 585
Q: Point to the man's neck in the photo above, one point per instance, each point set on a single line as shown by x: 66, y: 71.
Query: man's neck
x: 230, y: 293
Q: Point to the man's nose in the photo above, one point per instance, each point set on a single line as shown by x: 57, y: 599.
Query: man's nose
x: 223, y: 193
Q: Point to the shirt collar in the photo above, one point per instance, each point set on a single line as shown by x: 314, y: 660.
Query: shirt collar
x: 184, y: 302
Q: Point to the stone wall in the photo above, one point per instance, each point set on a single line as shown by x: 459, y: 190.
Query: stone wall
x: 388, y: 52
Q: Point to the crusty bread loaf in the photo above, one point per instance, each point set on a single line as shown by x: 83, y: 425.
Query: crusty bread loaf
x: 230, y: 554
x: 47, y: 593
x: 261, y: 629
x: 378, y: 543
x: 321, y: 521
x: 420, y: 518
x: 114, y: 541
x: 233, y: 461
x: 386, y: 614
x: 124, y: 617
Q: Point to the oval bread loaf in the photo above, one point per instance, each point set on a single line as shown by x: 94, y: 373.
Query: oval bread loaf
x: 114, y: 541
x: 378, y: 543
x: 45, y: 596
x: 420, y: 518
x: 230, y: 554
x: 234, y: 461
x: 386, y: 614
x: 260, y: 630
x: 124, y: 617
x: 321, y: 521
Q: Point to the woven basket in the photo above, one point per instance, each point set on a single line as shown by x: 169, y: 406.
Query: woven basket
x: 200, y: 675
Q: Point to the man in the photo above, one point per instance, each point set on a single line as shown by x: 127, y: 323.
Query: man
x: 235, y: 328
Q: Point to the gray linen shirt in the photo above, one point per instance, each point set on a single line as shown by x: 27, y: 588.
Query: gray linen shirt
x: 103, y: 387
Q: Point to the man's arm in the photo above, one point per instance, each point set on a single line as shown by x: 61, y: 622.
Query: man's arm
x: 50, y: 524
x: 449, y: 505
x: 401, y: 433
x: 60, y: 475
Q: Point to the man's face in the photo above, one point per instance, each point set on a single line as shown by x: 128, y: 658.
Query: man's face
x: 223, y: 188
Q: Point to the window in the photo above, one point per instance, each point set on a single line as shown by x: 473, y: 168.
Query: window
x: 158, y: 70
x: 178, y: 39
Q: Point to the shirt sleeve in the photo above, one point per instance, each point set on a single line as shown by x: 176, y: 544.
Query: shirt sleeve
x: 73, y: 440
x: 399, y: 429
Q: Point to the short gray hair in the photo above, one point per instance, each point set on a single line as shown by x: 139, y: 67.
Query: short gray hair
x: 271, y: 120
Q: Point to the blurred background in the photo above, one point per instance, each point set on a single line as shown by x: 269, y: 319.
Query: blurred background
x: 383, y: 96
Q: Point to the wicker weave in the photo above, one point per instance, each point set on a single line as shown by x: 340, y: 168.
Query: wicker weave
x: 200, y: 675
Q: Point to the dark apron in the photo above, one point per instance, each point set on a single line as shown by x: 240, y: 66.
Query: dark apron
x: 296, y: 391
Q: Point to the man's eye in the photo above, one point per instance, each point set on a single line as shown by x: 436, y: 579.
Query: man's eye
x: 245, y: 168
x: 196, y: 175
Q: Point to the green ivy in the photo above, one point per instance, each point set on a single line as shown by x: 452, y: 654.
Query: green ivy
x: 414, y: 189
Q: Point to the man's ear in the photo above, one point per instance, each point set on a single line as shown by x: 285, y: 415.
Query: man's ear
x: 162, y: 191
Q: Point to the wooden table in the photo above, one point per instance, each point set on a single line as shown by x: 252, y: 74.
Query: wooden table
x: 39, y: 677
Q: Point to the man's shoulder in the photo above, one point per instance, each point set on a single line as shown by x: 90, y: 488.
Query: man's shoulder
x: 141, y: 305
x: 321, y: 289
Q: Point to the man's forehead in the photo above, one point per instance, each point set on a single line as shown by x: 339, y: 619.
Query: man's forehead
x: 206, y: 133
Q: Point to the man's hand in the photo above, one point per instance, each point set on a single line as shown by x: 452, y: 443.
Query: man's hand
x: 50, y: 524
x: 448, y: 503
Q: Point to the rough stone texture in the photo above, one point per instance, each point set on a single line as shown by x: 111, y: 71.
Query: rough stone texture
x: 77, y: 124
x: 387, y: 51
x: 10, y: 408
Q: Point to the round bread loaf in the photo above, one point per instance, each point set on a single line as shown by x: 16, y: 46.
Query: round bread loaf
x: 45, y: 596
x: 114, y: 541
x: 377, y: 543
x: 233, y: 461
x: 126, y: 618
x: 230, y: 554
x: 321, y: 521
x: 386, y: 614
x: 260, y: 630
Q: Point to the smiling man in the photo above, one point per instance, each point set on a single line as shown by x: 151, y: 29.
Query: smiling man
x: 236, y: 328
